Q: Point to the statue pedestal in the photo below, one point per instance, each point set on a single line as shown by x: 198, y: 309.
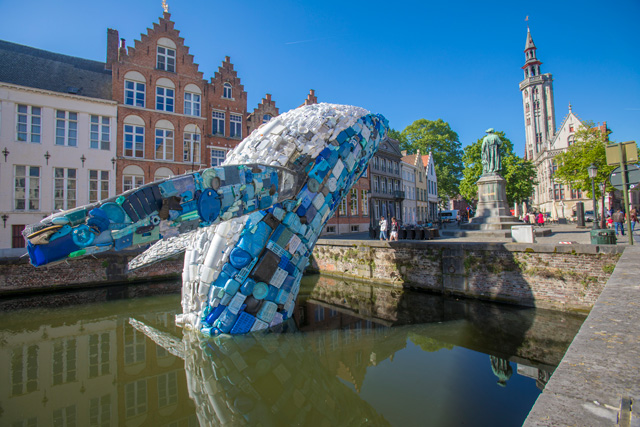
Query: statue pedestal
x: 493, y: 211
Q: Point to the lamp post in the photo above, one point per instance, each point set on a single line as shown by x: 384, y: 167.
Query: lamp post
x: 593, y: 171
x: 603, y: 187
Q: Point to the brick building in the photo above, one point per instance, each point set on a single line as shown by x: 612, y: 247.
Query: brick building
x: 170, y: 120
x: 264, y: 112
x: 386, y: 195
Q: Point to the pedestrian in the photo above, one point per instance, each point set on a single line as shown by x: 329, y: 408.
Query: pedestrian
x: 458, y: 218
x: 394, y: 229
x: 618, y: 221
x: 383, y: 228
x: 540, y: 220
x: 633, y: 216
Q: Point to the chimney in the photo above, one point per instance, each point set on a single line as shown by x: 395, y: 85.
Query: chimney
x: 123, y: 49
x: 112, y: 48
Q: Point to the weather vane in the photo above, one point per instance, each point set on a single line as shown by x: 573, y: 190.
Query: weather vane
x: 165, y: 6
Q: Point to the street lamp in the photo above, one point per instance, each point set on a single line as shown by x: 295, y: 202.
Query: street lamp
x: 593, y: 171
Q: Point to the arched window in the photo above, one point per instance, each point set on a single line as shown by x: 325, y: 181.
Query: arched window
x: 192, y: 96
x: 166, y: 55
x: 266, y: 118
x: 133, y: 132
x: 132, y: 177
x: 164, y: 140
x: 226, y: 91
x: 526, y: 93
x: 134, y: 89
x: 162, y: 173
x: 526, y: 108
x: 165, y: 95
x: 191, y: 144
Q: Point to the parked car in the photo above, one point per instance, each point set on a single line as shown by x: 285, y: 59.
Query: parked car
x: 589, y: 216
x: 449, y: 216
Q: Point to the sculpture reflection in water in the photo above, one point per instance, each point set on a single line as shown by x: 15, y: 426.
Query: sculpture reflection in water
x: 247, y: 227
x: 266, y: 379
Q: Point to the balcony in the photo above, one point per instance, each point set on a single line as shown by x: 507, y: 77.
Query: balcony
x: 398, y: 194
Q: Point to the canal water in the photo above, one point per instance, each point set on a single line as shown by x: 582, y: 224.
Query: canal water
x: 353, y: 354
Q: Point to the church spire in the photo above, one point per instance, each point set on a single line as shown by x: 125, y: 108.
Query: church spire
x: 531, y: 66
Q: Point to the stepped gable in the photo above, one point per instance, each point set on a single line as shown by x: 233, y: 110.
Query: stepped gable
x: 266, y: 107
x: 227, y: 74
x: 311, y: 98
x: 41, y: 69
x: 144, y: 50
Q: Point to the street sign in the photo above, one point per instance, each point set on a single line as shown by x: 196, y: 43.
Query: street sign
x: 633, y: 177
x: 630, y: 152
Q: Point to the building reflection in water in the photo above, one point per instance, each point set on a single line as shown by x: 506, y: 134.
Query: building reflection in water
x: 91, y: 365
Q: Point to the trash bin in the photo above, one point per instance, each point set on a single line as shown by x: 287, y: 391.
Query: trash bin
x: 419, y: 234
x: 402, y: 234
x: 411, y: 234
x: 603, y: 237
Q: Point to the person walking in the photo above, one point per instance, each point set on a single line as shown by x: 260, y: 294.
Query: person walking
x: 618, y: 221
x: 383, y: 228
x: 394, y: 229
x: 633, y: 216
x: 540, y: 220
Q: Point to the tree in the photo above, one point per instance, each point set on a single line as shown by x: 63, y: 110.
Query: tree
x: 518, y: 173
x: 443, y: 143
x: 589, y: 147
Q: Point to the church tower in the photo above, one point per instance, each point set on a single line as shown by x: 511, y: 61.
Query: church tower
x: 537, y: 102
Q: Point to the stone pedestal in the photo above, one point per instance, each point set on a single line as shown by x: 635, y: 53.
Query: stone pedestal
x: 493, y: 211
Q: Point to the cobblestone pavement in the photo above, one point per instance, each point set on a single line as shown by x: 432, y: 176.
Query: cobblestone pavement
x: 560, y: 233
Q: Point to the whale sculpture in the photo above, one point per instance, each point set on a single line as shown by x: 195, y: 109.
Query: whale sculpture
x: 247, y: 227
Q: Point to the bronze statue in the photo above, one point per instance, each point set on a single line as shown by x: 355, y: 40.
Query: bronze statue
x: 491, y: 159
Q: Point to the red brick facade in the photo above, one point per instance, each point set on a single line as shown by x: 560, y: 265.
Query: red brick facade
x: 161, y: 62
x: 265, y: 111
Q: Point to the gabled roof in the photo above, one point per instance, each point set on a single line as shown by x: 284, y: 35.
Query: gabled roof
x: 41, y: 69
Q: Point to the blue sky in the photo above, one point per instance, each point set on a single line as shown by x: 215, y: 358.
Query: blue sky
x: 458, y: 61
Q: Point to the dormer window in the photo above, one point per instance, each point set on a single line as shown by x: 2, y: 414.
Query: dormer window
x: 227, y: 91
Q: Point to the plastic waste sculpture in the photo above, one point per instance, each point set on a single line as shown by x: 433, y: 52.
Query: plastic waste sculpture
x: 248, y: 227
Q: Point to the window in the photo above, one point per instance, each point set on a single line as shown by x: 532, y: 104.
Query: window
x: 236, y: 126
x: 132, y: 177
x: 528, y: 121
x: 135, y: 398
x: 384, y: 165
x: 24, y: 370
x: 558, y: 192
x: 571, y: 129
x: 217, y: 123
x: 576, y: 194
x: 342, y: 211
x: 331, y: 229
x: 167, y: 389
x: 191, y: 104
x: 100, y: 411
x: 376, y: 206
x: 133, y: 141
x: 64, y: 417
x: 226, y: 91
x: 365, y: 202
x: 134, y: 93
x: 191, y: 148
x: 134, y: 346
x: 166, y: 59
x: 571, y: 140
x: 98, y: 185
x: 164, y: 144
x: 28, y: 126
x: 100, y: 133
x: 217, y: 157
x: 266, y: 118
x: 376, y: 184
x: 376, y: 163
x: 384, y: 185
x: 99, y: 349
x: 64, y: 188
x: 355, y: 228
x: 354, y: 201
x: 164, y: 99
x: 27, y: 188
x: 66, y: 128
x: 64, y: 361
x: 130, y: 182
x: 319, y: 313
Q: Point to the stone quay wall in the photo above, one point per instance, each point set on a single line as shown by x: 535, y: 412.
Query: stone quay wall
x: 18, y: 276
x: 559, y: 277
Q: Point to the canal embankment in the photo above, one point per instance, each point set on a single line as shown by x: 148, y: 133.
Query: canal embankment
x: 558, y: 277
x: 598, y: 381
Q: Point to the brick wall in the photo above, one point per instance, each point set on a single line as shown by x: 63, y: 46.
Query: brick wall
x: 561, y: 278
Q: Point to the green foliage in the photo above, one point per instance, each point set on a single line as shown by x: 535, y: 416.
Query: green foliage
x: 438, y: 138
x: 589, y: 147
x: 395, y: 134
x: 517, y: 172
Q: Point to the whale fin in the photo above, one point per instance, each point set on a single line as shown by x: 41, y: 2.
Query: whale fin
x: 161, y: 250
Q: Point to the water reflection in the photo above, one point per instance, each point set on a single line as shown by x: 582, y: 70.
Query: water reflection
x: 350, y: 356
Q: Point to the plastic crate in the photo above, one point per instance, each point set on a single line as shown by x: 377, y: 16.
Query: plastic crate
x: 243, y: 324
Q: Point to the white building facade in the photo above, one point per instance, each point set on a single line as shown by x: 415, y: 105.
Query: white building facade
x: 409, y: 173
x: 57, y: 138
x: 432, y: 186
